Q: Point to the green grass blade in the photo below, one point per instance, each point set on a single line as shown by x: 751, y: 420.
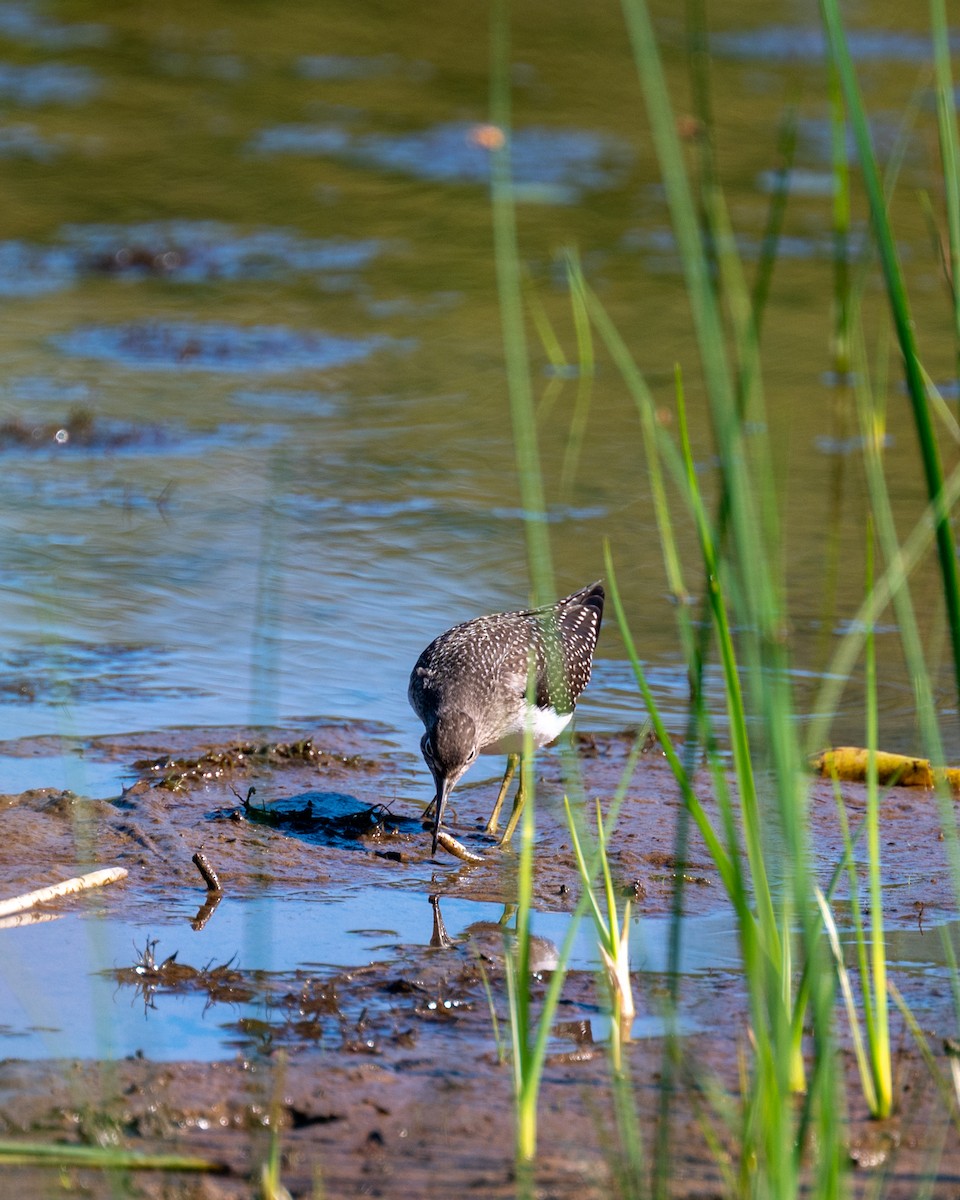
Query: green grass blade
x: 586, y: 875
x: 769, y: 244
x: 543, y: 325
x: 510, y: 294
x: 45, y: 1154
x: 949, y: 150
x: 736, y: 710
x: 874, y: 982
x: 859, y: 1050
x: 900, y: 311
x: 727, y: 865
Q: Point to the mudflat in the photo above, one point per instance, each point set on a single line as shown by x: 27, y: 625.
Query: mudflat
x: 390, y: 1078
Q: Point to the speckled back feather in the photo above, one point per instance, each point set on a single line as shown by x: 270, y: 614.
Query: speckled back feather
x: 481, y: 667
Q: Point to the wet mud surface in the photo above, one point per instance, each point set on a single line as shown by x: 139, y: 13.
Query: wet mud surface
x: 386, y: 1078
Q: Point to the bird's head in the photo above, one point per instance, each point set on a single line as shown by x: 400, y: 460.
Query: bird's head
x: 448, y: 749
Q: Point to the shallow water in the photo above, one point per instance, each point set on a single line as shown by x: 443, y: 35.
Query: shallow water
x: 59, y: 996
x: 255, y: 446
x: 284, y: 301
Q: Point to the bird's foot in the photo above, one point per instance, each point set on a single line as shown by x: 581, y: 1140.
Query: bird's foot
x: 513, y: 761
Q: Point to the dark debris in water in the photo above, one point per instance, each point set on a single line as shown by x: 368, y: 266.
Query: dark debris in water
x: 184, y: 345
x: 329, y: 817
x: 371, y: 1010
x: 183, y: 252
x: 80, y: 429
x: 222, y: 984
x: 207, y: 251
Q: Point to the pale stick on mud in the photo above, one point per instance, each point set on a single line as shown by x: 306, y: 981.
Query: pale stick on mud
x: 79, y: 883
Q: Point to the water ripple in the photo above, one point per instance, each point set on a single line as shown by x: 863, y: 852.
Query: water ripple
x: 784, y: 43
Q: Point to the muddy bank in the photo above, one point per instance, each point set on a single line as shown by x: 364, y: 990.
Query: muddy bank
x: 387, y: 1078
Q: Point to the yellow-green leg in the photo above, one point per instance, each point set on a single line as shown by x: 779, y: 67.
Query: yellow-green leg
x: 512, y: 761
x: 517, y: 810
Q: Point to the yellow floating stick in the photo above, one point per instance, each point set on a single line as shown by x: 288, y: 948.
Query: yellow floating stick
x: 850, y: 763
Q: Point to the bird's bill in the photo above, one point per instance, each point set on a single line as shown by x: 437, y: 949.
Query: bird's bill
x: 444, y: 788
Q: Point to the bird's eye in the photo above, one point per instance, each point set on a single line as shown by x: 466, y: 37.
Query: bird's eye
x: 427, y: 747
x: 471, y: 755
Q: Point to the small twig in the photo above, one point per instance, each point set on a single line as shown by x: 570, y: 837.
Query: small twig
x: 80, y: 883
x: 210, y: 877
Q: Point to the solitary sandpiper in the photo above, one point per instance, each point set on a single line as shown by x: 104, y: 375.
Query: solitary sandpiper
x: 471, y: 685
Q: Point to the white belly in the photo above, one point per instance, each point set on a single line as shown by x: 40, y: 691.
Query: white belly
x: 545, y: 724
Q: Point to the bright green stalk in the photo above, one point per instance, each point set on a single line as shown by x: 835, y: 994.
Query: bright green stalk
x: 754, y: 948
x: 746, y: 584
x: 949, y: 150
x: 758, y: 606
x: 529, y: 1042
x: 910, y: 636
x: 736, y: 712
x: 786, y: 149
x: 758, y: 598
x: 859, y: 1051
x: 105, y: 1158
x: 777, y: 948
x: 659, y: 446
x: 529, y: 1047
x: 510, y: 292
x: 271, y: 1183
x: 727, y: 865
x: 613, y: 938
x: 776, y: 945
x: 526, y: 1079
x: 878, y: 1032
x: 875, y: 1069
x: 900, y: 311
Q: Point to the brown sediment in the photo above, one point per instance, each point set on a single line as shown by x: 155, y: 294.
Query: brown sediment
x: 385, y: 1080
